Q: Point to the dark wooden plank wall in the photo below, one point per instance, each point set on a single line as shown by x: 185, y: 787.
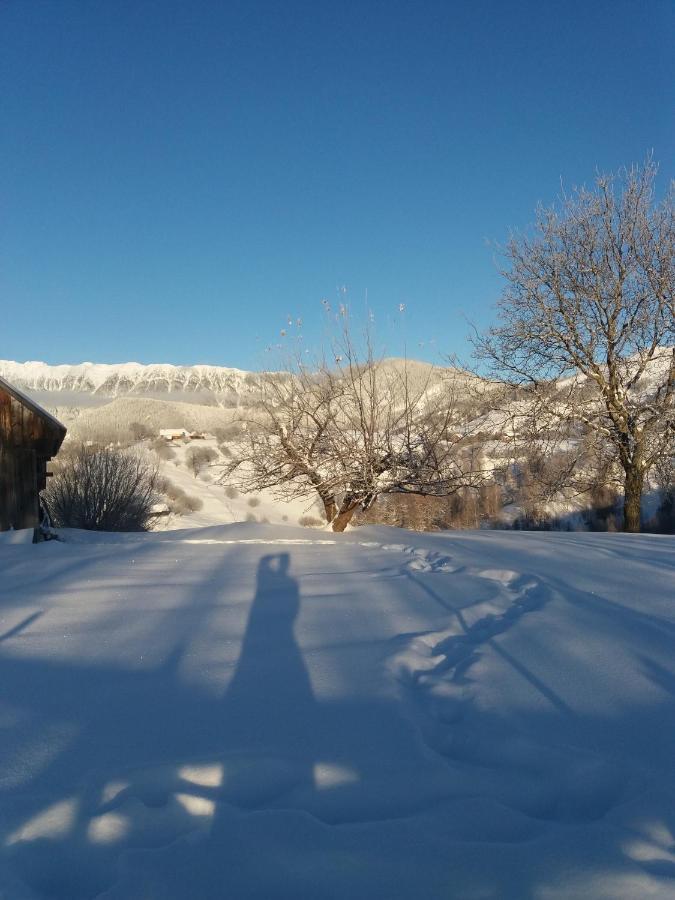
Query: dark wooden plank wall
x: 27, y: 442
x: 19, y: 505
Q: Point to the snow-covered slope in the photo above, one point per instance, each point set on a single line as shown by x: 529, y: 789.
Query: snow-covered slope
x: 220, y: 504
x: 252, y: 711
x: 115, y: 417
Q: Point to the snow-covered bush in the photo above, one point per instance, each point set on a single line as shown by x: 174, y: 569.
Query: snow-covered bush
x: 177, y: 500
x: 198, y: 458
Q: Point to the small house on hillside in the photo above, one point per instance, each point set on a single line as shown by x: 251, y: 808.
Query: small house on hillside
x: 180, y: 434
x: 173, y: 434
x: 29, y: 438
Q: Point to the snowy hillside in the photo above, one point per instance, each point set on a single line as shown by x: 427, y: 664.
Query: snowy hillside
x: 113, y: 420
x: 253, y: 711
x: 219, y: 503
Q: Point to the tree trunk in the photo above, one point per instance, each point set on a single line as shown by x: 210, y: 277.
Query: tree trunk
x: 632, y: 496
x: 329, y: 507
x: 344, y: 517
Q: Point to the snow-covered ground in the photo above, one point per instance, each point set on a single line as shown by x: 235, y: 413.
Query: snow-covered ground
x: 259, y: 711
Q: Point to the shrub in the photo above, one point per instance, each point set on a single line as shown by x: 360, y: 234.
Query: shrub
x: 140, y: 431
x: 102, y: 489
x: 198, y: 458
x: 177, y: 500
x: 253, y: 502
x: 231, y: 492
x: 183, y: 503
x: 310, y: 522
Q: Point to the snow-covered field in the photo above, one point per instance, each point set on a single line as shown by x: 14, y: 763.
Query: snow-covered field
x: 259, y: 711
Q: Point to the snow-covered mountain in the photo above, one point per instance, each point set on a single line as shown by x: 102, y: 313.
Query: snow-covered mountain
x: 104, y: 380
x: 93, y: 384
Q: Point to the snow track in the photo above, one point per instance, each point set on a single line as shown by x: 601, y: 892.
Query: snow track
x: 245, y: 711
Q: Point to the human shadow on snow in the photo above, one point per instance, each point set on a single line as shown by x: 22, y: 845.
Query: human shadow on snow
x: 267, y: 744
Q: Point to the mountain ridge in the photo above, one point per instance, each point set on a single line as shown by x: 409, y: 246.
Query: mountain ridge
x: 112, y: 380
x: 119, y: 379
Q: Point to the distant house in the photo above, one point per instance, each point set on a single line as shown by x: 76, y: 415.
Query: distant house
x: 29, y: 438
x: 173, y: 434
x: 180, y: 434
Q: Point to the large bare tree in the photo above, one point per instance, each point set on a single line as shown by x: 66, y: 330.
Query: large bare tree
x: 352, y: 429
x: 587, y: 323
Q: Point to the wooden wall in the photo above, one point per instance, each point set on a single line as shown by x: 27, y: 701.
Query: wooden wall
x: 28, y: 441
x: 19, y: 504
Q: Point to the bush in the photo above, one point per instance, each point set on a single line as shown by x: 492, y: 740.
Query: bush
x: 310, y: 522
x: 231, y: 492
x: 183, y: 503
x: 177, y: 500
x: 140, y: 431
x: 198, y: 458
x: 253, y: 501
x: 102, y: 489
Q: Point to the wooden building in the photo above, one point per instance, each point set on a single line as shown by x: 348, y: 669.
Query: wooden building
x: 29, y: 438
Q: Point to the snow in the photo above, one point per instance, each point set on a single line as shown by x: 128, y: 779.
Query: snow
x: 217, y: 508
x: 122, y: 378
x: 259, y: 711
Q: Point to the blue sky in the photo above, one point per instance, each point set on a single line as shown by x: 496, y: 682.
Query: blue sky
x: 179, y: 176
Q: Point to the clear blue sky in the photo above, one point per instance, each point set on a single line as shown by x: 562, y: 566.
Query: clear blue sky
x: 177, y: 176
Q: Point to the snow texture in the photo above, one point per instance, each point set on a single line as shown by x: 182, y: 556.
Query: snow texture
x: 253, y: 711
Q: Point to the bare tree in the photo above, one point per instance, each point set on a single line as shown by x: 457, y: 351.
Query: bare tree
x: 587, y: 324
x: 353, y: 430
x: 102, y: 489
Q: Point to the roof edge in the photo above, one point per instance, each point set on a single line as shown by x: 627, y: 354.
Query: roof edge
x: 32, y: 405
